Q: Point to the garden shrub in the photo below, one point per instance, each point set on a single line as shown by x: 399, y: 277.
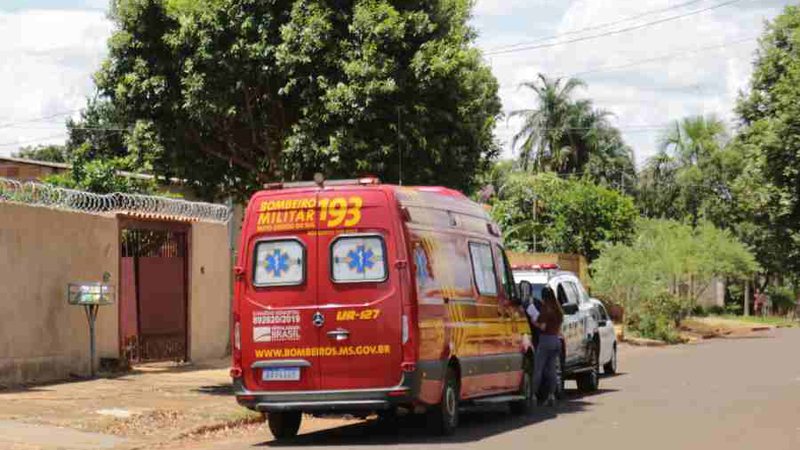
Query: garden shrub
x: 782, y: 299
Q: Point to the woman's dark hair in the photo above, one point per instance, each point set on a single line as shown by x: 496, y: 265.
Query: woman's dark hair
x: 549, y: 301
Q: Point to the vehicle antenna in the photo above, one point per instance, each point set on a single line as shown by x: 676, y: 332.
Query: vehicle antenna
x: 399, y: 152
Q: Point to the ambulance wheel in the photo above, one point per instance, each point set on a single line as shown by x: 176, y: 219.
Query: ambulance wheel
x: 443, y: 418
x: 388, y: 419
x: 284, y: 425
x: 525, y: 405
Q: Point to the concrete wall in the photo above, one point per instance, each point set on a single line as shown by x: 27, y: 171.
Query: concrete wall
x: 209, y: 292
x: 41, y: 251
x: 42, y: 338
x: 26, y: 172
x: 714, y: 294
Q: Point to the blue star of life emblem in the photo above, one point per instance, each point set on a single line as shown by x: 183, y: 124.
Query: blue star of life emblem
x: 277, y: 263
x: 421, y: 261
x: 360, y: 259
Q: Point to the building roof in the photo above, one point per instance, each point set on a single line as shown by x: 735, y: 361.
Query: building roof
x: 66, y: 166
x: 33, y: 162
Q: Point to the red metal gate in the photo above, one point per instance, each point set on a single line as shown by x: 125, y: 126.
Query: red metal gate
x: 153, y: 291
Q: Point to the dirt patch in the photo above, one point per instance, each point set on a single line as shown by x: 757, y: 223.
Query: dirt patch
x: 145, y: 424
x: 716, y: 327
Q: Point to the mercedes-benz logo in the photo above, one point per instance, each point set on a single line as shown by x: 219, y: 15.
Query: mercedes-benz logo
x: 318, y: 319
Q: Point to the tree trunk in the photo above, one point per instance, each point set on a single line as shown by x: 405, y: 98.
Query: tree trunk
x: 746, y: 297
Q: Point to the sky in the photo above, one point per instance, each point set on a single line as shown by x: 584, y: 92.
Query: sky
x: 647, y: 62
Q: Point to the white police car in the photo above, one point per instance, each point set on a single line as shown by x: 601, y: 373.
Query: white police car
x: 608, y: 337
x: 582, y: 343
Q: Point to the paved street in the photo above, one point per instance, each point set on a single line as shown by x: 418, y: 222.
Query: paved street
x: 721, y: 394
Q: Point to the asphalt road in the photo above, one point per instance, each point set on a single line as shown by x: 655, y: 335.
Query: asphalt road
x: 722, y: 394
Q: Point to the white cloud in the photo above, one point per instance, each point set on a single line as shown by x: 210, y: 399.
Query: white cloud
x: 703, y: 82
x: 47, y: 58
x: 504, y: 7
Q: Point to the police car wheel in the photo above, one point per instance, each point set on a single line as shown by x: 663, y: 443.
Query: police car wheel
x: 560, y: 389
x: 284, y: 425
x: 443, y: 418
x: 589, y: 381
x: 610, y: 368
x: 526, y: 405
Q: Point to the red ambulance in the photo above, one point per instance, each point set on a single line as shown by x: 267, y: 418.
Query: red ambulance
x: 356, y: 297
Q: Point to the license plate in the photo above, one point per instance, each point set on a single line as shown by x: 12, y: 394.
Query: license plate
x: 281, y: 374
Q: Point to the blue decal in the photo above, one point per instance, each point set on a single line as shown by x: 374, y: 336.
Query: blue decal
x: 277, y: 263
x: 361, y: 259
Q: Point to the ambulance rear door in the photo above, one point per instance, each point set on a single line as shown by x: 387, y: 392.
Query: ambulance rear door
x: 278, y: 309
x: 358, y: 289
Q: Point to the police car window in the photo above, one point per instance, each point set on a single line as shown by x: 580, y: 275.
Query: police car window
x: 483, y: 268
x: 537, y: 291
x: 279, y: 263
x: 572, y: 292
x: 603, y: 312
x: 562, y: 294
x: 357, y: 259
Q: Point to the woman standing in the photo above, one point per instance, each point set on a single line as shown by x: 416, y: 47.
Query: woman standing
x: 548, y: 351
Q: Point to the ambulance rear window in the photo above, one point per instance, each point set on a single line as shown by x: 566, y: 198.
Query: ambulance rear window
x: 279, y: 263
x: 358, y: 259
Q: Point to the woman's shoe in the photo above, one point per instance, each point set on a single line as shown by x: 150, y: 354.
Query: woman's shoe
x: 551, y: 401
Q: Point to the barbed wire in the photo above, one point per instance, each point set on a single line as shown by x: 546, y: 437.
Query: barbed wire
x: 40, y: 194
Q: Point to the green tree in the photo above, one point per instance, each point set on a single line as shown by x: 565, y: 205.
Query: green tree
x: 234, y: 93
x: 572, y: 216
x: 666, y: 267
x: 544, y: 128
x: 571, y: 136
x: 769, y: 140
x: 50, y: 153
x: 686, y: 179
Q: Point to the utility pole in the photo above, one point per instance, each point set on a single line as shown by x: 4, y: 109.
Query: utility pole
x: 534, y: 223
x: 399, y: 152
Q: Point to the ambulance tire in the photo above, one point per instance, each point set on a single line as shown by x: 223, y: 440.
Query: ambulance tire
x: 525, y: 406
x: 284, y: 425
x: 443, y: 418
x: 560, y: 390
x: 388, y: 419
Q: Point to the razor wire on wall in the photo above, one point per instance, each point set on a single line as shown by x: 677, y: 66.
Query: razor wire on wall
x: 40, y: 194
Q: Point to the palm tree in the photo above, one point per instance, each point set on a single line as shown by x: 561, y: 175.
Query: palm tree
x: 544, y: 127
x: 677, y: 179
x: 658, y: 188
x: 694, y: 138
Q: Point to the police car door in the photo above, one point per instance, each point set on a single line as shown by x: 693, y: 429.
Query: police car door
x: 571, y: 327
x: 587, y: 325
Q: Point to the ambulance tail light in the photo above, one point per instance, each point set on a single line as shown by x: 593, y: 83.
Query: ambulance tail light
x: 237, y: 335
x: 405, y: 329
x: 236, y: 369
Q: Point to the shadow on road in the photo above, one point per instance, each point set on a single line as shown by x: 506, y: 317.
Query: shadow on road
x: 612, y: 375
x: 476, y: 424
x: 216, y: 389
